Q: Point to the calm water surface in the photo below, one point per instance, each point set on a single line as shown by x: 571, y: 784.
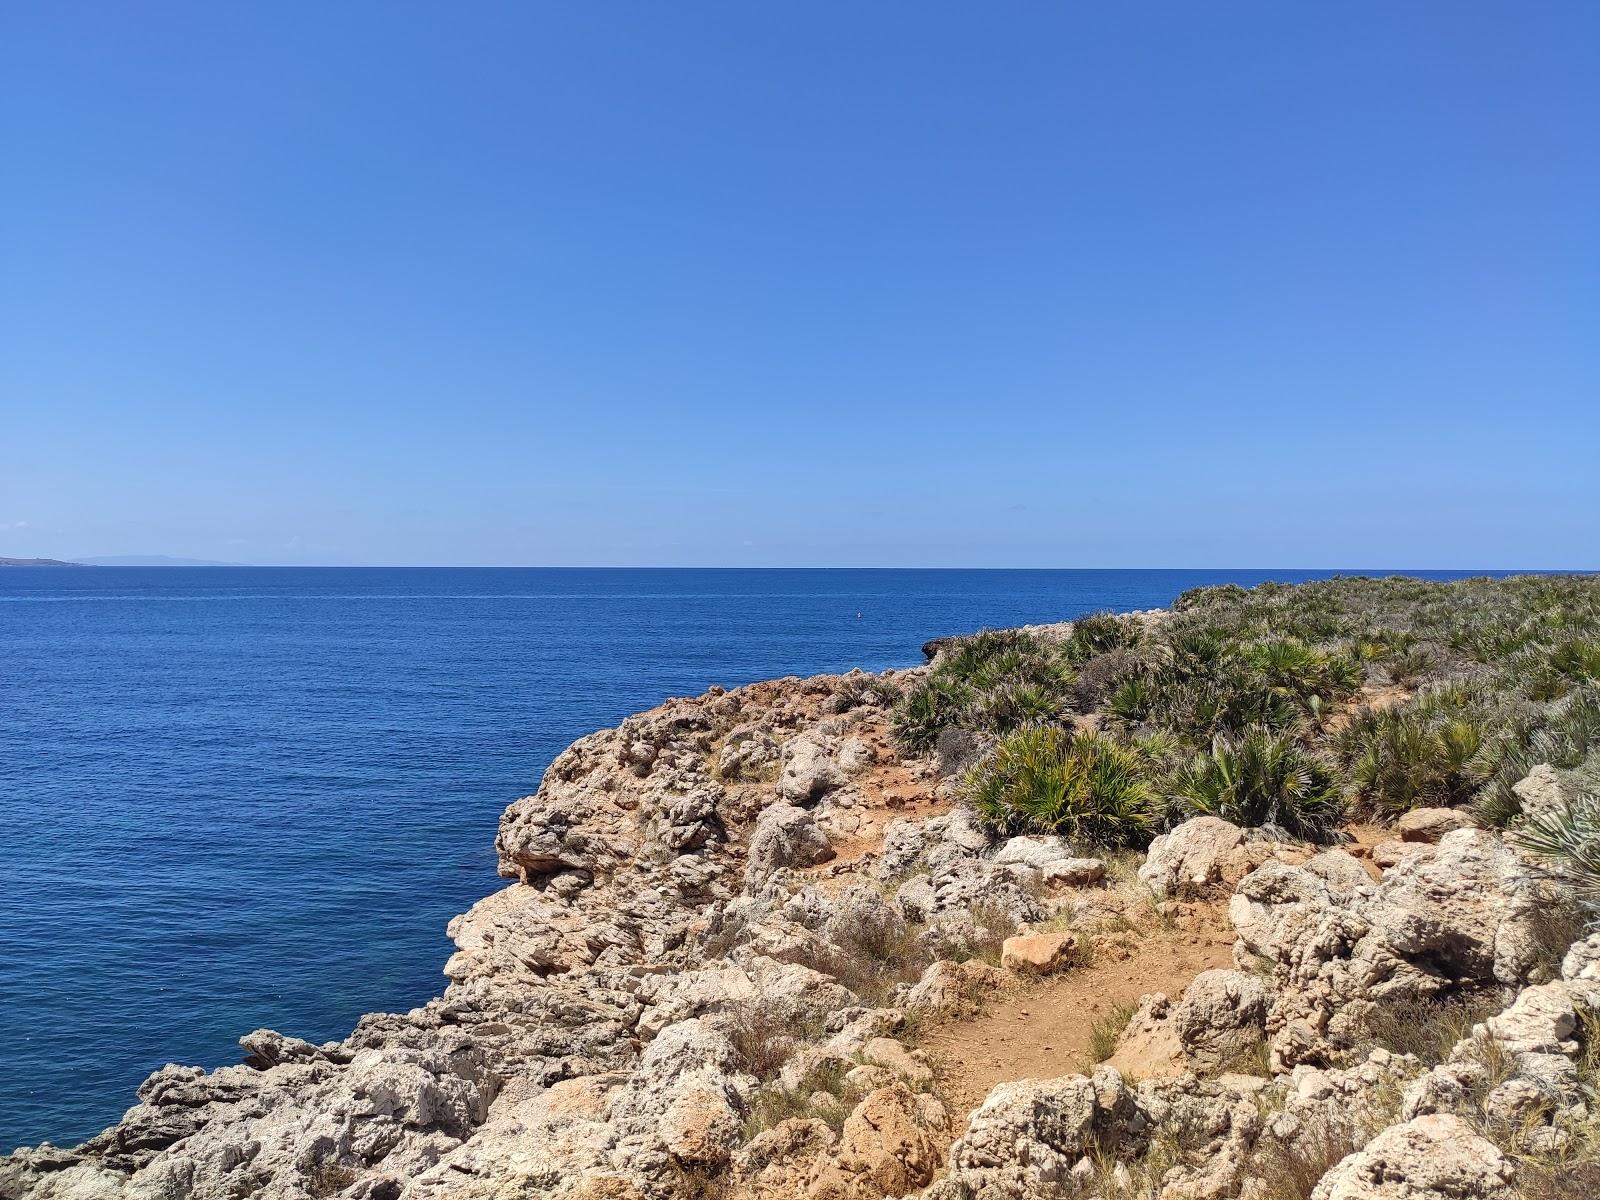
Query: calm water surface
x: 236, y: 797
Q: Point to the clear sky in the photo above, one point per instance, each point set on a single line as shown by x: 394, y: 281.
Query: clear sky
x: 1016, y: 284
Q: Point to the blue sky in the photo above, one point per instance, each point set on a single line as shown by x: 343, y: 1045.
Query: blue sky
x: 1273, y: 284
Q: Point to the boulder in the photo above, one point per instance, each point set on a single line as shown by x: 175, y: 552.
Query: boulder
x: 1393, y: 851
x: 784, y: 836
x: 1222, y: 1016
x: 1191, y: 857
x: 949, y: 989
x: 1038, y: 953
x: 810, y: 770
x: 1053, y: 859
x: 1430, y: 824
x: 1023, y: 1141
x: 1540, y: 791
x: 700, y: 1127
x: 855, y: 756
x: 1436, y: 1157
x: 910, y: 1065
x: 885, y: 1149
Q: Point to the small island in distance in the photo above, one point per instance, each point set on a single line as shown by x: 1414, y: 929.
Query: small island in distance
x: 37, y: 562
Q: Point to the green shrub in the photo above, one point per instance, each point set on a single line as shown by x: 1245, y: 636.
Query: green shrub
x: 1133, y: 699
x: 1081, y: 785
x: 1577, y: 659
x: 1099, y: 632
x: 928, y: 706
x: 992, y: 682
x: 1432, y: 752
x: 1295, y: 669
x: 1567, y: 840
x: 1261, y: 779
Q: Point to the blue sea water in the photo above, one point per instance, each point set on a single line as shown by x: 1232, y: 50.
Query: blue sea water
x: 243, y: 797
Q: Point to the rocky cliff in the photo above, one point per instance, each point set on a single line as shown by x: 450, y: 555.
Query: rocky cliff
x: 747, y: 949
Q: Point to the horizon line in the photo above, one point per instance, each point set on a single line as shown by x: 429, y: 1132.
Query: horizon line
x: 210, y: 566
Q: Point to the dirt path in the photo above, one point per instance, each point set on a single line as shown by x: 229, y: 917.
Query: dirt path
x: 1041, y: 1028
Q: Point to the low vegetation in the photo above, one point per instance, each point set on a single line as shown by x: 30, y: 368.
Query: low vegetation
x: 1287, y: 707
x: 1078, y: 784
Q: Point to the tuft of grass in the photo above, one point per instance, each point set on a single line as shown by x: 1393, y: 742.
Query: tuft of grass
x: 1292, y: 1172
x: 1105, y: 1033
x: 822, y: 1095
x: 765, y: 1035
x: 1429, y: 1029
x: 871, y: 958
x: 1254, y: 1059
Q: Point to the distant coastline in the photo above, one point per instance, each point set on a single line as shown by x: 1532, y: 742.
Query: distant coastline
x: 38, y: 562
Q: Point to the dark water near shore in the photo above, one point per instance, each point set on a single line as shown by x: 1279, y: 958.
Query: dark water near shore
x: 236, y: 797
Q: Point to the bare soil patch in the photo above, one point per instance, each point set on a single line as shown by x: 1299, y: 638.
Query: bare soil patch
x: 1040, y: 1029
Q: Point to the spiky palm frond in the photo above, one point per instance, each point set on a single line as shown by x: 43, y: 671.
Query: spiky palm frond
x: 1261, y: 779
x: 1080, y: 785
x: 1567, y: 840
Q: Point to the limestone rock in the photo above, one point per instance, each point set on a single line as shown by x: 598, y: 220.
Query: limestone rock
x: 1038, y: 953
x: 885, y: 1149
x: 810, y: 770
x: 785, y: 836
x: 1053, y: 859
x: 1191, y: 857
x: 910, y: 1065
x: 1540, y: 791
x: 1430, y: 824
x: 1023, y: 1141
x: 951, y: 989
x: 1221, y: 1016
x: 1429, y: 1158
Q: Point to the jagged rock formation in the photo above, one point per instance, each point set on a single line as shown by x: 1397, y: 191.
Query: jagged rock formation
x: 726, y: 918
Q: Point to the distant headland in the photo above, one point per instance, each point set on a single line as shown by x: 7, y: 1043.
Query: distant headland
x: 116, y: 560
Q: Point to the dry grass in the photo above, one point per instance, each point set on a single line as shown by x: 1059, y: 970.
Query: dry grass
x: 766, y: 1034
x: 872, y: 961
x: 1559, y: 1180
x: 1293, y: 1172
x: 822, y: 1095
x: 1106, y: 1032
x: 1254, y: 1059
x: 1429, y: 1029
x: 329, y: 1179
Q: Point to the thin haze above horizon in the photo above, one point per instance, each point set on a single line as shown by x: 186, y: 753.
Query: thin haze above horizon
x: 905, y: 284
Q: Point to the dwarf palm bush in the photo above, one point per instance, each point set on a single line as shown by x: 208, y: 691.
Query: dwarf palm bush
x: 1298, y: 670
x: 928, y: 706
x: 1100, y: 632
x: 1567, y: 840
x: 1435, y: 751
x: 1565, y: 735
x: 1261, y: 779
x: 1577, y: 659
x: 993, y: 682
x: 1132, y: 699
x: 1081, y: 785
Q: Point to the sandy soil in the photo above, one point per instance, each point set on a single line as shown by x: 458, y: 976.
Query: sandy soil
x: 1040, y: 1029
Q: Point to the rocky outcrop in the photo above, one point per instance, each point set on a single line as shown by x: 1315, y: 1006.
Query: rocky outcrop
x: 1465, y: 914
x: 586, y: 1042
x: 1429, y: 1158
x: 725, y: 922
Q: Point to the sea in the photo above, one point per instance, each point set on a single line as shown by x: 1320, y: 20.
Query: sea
x: 243, y: 797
